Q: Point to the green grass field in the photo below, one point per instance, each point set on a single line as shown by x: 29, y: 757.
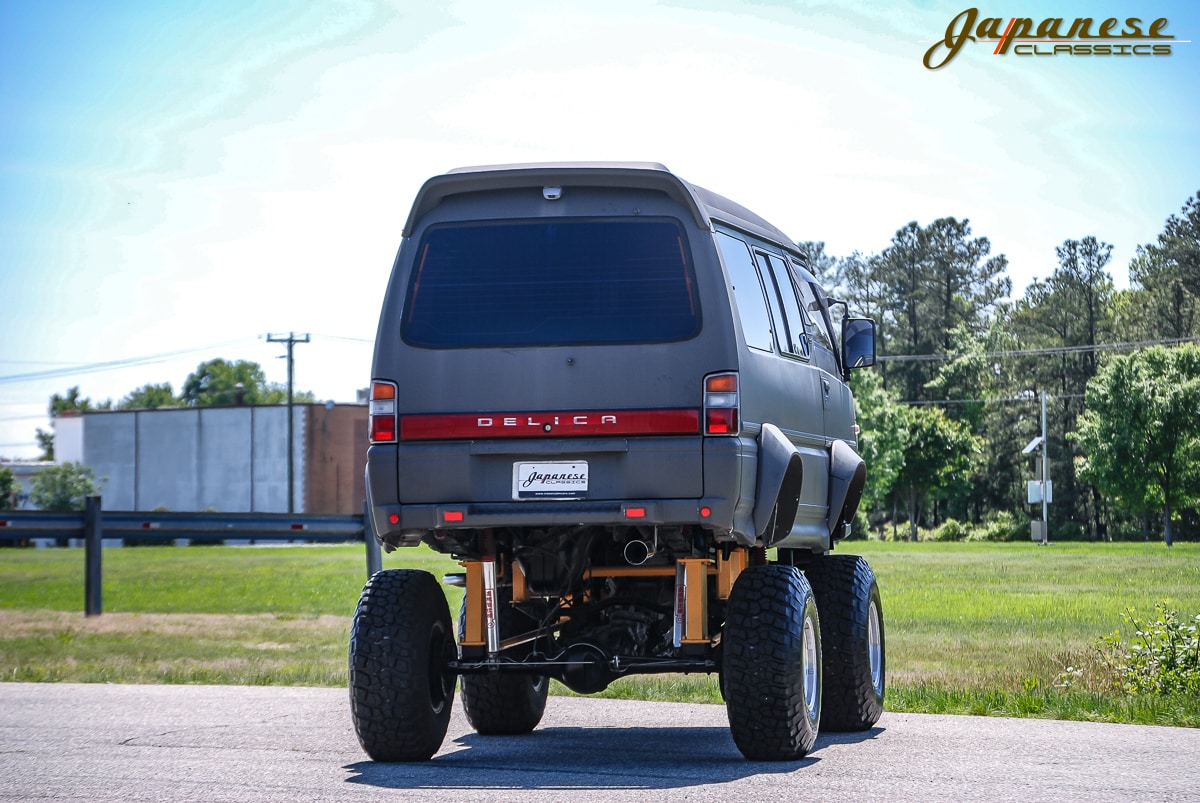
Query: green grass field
x: 971, y: 628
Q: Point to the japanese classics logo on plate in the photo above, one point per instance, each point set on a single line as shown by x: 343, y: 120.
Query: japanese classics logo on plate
x: 1052, y: 36
x: 554, y: 480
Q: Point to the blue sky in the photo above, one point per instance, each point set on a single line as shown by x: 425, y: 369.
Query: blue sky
x: 179, y: 179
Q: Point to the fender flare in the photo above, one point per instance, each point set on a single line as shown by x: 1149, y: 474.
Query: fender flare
x: 847, y: 477
x: 780, y: 478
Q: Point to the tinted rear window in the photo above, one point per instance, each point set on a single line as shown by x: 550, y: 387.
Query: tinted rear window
x: 551, y: 282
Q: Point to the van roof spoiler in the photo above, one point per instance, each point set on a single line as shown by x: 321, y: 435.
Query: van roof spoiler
x: 704, y: 205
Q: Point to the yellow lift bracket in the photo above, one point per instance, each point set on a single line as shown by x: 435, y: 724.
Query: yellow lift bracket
x: 691, y: 601
x: 474, y: 628
x: 728, y: 569
x: 691, y: 592
x: 520, y: 589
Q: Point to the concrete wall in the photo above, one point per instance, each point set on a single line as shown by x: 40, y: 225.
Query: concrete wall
x: 225, y: 435
x: 231, y: 459
x: 167, y: 444
x: 110, y: 448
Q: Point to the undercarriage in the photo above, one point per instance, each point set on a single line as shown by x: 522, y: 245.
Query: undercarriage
x: 587, y: 605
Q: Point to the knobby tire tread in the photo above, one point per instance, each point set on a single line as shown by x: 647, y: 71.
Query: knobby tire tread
x: 762, y: 670
x: 499, y: 704
x: 400, y: 696
x: 844, y: 585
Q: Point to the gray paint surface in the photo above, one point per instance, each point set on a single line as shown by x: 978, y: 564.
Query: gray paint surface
x: 217, y: 743
x: 168, y: 459
x: 110, y: 448
x: 226, y: 452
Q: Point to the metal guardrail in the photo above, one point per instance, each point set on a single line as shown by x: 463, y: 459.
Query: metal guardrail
x: 93, y: 525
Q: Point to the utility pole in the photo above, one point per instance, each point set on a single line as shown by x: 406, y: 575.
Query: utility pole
x: 291, y: 341
x: 1045, y: 476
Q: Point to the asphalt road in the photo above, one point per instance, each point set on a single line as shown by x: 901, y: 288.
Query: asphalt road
x: 220, y: 743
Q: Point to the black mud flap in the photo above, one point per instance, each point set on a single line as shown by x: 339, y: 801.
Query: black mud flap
x: 847, y: 476
x: 780, y: 478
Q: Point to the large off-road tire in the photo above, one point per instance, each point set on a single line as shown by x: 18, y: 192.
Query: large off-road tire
x: 771, y: 664
x: 401, y: 691
x: 852, y: 639
x: 500, y: 703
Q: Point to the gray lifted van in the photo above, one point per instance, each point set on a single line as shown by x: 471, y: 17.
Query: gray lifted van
x: 619, y: 401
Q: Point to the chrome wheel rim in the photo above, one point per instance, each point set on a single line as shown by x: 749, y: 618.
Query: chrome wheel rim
x: 875, y: 647
x: 811, y: 669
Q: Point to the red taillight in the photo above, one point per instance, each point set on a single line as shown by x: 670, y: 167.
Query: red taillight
x: 721, y: 404
x: 383, y: 412
x: 720, y: 421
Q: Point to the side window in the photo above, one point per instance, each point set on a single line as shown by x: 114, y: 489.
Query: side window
x: 826, y: 316
x: 812, y: 307
x: 816, y: 305
x: 764, y: 270
x: 823, y: 353
x: 747, y: 293
x: 792, y: 340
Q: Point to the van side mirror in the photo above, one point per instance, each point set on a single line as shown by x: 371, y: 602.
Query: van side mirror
x: 858, y: 342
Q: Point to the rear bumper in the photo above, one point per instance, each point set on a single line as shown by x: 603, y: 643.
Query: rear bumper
x: 404, y: 525
x: 726, y: 482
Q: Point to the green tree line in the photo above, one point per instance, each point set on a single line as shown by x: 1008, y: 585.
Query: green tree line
x: 214, y: 383
x: 962, y: 366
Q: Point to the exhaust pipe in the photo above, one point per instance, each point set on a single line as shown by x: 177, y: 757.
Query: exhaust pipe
x: 638, y: 552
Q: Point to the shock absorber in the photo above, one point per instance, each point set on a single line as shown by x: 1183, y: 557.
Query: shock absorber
x: 491, y: 612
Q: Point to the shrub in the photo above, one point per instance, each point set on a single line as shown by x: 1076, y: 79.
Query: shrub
x: 63, y: 487
x: 1000, y: 525
x: 9, y: 487
x: 949, y: 530
x: 1161, y: 657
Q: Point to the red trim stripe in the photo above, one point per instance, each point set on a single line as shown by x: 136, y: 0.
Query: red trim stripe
x: 571, y: 424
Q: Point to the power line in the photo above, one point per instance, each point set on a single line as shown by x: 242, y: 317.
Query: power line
x: 1039, y: 352
x: 346, y: 337
x: 111, y: 365
x: 6, y: 361
x: 1007, y: 400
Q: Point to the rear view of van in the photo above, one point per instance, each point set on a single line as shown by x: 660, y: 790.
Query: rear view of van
x: 620, y: 401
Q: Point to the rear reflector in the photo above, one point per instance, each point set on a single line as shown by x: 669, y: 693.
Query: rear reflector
x: 452, y: 516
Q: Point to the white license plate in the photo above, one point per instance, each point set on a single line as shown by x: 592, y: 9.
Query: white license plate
x: 557, y: 480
